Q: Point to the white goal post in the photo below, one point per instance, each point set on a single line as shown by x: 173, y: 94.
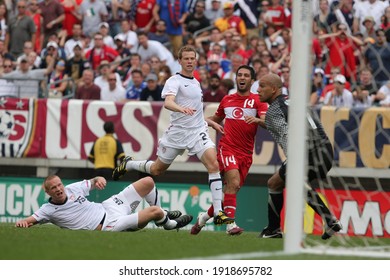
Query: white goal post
x: 299, y: 89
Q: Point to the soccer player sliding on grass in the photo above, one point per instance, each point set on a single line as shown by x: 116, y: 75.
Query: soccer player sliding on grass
x: 242, y: 112
x: 320, y: 157
x: 69, y: 208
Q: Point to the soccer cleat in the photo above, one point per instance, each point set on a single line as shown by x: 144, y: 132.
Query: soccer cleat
x: 233, y: 229
x: 197, y: 227
x: 182, y: 221
x: 120, y: 170
x: 221, y: 219
x: 331, y: 229
x: 173, y: 214
x: 271, y: 233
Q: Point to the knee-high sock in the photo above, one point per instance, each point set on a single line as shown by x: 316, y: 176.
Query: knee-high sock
x: 318, y: 205
x: 152, y: 198
x: 229, y: 204
x: 210, y: 211
x: 139, y: 165
x: 166, y: 222
x: 275, y: 205
x: 215, y: 183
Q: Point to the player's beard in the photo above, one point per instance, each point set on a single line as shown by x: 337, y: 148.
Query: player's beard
x: 243, y: 89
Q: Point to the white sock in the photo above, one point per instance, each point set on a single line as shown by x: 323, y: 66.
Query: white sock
x: 170, y: 224
x: 215, y: 183
x: 166, y: 222
x: 139, y: 165
x: 153, y: 198
x: 203, y: 218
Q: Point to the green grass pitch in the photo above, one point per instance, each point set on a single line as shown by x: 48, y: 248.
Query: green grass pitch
x: 48, y: 242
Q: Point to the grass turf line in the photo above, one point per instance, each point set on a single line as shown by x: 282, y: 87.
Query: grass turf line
x: 48, y: 242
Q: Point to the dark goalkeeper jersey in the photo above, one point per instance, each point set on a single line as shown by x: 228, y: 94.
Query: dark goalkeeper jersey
x: 276, y: 121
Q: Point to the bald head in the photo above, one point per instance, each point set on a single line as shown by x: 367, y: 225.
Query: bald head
x: 270, y: 87
x: 273, y: 80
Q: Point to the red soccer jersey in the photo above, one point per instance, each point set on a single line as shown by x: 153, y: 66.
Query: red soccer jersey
x: 240, y: 136
x: 145, y: 13
x: 105, y: 53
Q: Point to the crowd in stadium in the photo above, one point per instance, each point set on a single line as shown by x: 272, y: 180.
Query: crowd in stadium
x: 123, y: 50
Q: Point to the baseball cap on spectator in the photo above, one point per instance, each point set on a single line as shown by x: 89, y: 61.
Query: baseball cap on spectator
x: 214, y: 58
x: 104, y: 63
x: 340, y: 79
x: 78, y: 44
x: 151, y: 77
x: 120, y: 37
x: 368, y: 18
x: 228, y: 5
x: 23, y: 58
x: 52, y: 44
x: 320, y: 71
x: 274, y: 45
x: 104, y: 24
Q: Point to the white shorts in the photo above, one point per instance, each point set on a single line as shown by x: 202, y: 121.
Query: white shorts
x: 175, y: 141
x: 120, y: 211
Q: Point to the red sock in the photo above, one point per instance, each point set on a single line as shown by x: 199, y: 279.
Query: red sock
x: 210, y: 212
x: 230, y: 203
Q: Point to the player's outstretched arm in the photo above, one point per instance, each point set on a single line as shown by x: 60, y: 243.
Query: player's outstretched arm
x: 27, y: 222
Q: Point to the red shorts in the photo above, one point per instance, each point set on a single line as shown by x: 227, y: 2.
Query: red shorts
x: 229, y: 160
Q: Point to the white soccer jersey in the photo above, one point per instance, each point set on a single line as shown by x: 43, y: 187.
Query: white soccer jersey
x: 76, y: 213
x: 188, y: 94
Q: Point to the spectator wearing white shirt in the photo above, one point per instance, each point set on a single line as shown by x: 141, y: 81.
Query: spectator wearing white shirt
x: 113, y: 91
x: 384, y: 95
x: 76, y: 39
x: 104, y: 29
x: 102, y: 80
x: 28, y: 48
x: 148, y: 48
x: 374, y: 8
x: 339, y: 96
x: 131, y: 39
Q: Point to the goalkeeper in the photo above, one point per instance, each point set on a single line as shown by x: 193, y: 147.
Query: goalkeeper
x: 69, y: 208
x: 320, y: 157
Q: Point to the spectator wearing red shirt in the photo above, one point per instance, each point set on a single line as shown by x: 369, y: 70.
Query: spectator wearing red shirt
x: 237, y: 48
x: 275, y: 15
x: 101, y: 52
x: 341, y: 52
x: 141, y: 15
x: 33, y: 12
x: 71, y: 16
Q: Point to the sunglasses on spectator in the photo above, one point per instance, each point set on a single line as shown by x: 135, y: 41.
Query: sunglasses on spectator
x: 113, y: 79
x: 7, y: 66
